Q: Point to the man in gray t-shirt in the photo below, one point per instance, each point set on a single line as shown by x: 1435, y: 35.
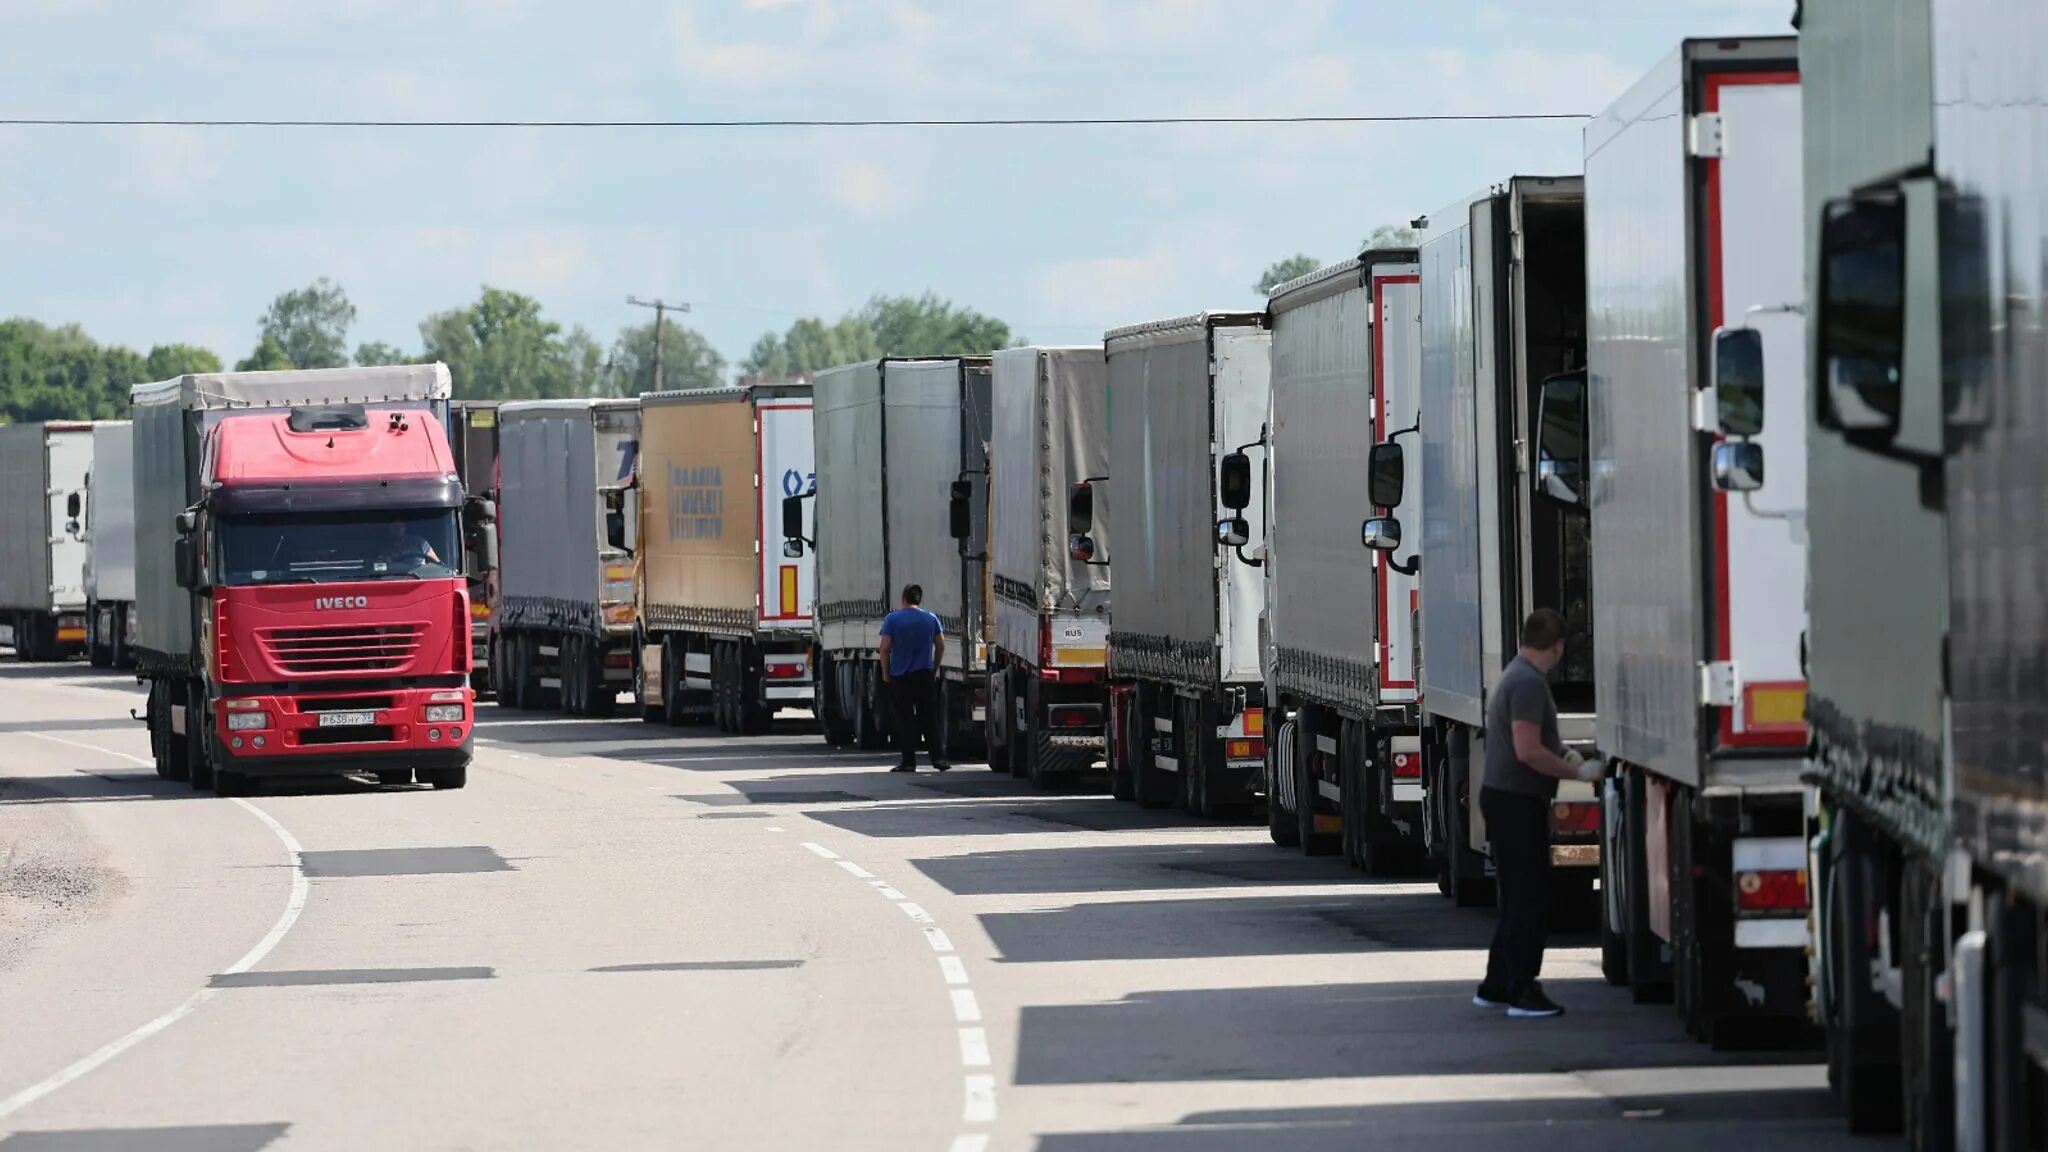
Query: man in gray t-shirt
x: 1524, y: 761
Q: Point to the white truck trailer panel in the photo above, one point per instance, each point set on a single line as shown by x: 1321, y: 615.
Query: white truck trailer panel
x: 109, y: 514
x: 556, y: 569
x: 1050, y: 431
x: 787, y: 466
x: 1346, y: 370
x: 1698, y: 591
x: 1183, y: 393
x: 172, y: 418
x: 853, y: 577
x: 42, y: 567
x: 928, y: 408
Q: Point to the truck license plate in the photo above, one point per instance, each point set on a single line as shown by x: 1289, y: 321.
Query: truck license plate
x: 347, y: 719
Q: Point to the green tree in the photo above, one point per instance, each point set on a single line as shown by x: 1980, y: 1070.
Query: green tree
x: 885, y: 326
x: 1390, y: 236
x: 311, y: 324
x: 376, y: 354
x: 687, y: 359
x: 269, y: 356
x: 1285, y: 270
x: 168, y: 360
x: 60, y: 373
x: 502, y: 348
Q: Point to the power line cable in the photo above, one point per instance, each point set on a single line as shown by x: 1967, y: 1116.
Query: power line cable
x: 989, y: 122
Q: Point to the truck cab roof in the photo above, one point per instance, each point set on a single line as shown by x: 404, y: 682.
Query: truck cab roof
x: 267, y: 449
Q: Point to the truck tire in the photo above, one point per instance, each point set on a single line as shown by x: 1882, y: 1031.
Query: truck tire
x: 394, y: 778
x: 117, y: 644
x: 1151, y: 786
x: 994, y: 730
x: 1280, y: 825
x: 869, y: 733
x: 1313, y: 843
x: 831, y: 696
x: 1023, y: 731
x: 1613, y: 938
x: 201, y: 765
x: 1116, y: 747
x: 1200, y: 760
x: 756, y: 714
x: 519, y: 675
x: 600, y: 698
x: 570, y: 662
x: 173, y: 760
x: 675, y: 712
x: 99, y: 649
x: 1863, y: 1037
x: 1927, y: 1047
x: 447, y: 778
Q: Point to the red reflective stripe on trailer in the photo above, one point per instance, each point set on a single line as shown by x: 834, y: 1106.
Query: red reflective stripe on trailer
x: 1724, y: 641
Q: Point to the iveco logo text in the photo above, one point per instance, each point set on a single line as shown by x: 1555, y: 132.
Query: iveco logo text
x: 326, y: 602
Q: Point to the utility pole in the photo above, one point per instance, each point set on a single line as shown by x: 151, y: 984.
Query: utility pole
x: 661, y: 309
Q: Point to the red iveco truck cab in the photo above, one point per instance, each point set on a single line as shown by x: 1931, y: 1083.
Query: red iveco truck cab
x: 308, y: 612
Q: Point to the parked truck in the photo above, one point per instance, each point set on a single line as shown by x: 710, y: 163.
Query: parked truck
x: 725, y: 616
x: 301, y: 607
x: 1048, y: 681
x: 1188, y: 696
x: 1693, y: 228
x: 1503, y: 311
x: 1340, y: 628
x: 568, y: 512
x: 1925, y: 207
x: 901, y: 498
x: 43, y: 466
x: 104, y: 514
x: 473, y: 434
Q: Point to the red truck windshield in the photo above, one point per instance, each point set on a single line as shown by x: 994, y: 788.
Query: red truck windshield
x: 301, y: 548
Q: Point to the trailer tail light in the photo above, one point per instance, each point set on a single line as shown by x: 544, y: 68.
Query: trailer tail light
x: 1575, y: 818
x: 1074, y: 716
x: 479, y: 610
x: 619, y: 658
x: 785, y: 671
x: 1771, y: 891
x: 1240, y: 749
x: 1255, y: 722
x: 1407, y: 766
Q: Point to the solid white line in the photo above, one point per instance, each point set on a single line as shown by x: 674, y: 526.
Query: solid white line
x: 856, y: 870
x: 137, y: 760
x: 966, y: 1009
x: 294, y: 904
x: 973, y: 1048
x: 954, y: 968
x: 821, y: 850
x: 938, y: 940
x: 981, y: 1100
x: 970, y: 1142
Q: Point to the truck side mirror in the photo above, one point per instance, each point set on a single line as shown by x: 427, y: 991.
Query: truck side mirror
x: 187, y: 522
x: 72, y: 504
x: 1234, y: 481
x: 1738, y: 466
x: 1739, y: 381
x: 959, y: 515
x: 1386, y: 474
x: 487, y: 549
x: 1081, y: 509
x: 792, y: 526
x: 1381, y: 534
x: 615, y: 529
x: 1861, y: 326
x: 1561, y: 452
x: 185, y: 558
x: 1234, y: 532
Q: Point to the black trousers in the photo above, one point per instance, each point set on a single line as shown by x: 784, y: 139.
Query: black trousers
x: 1518, y: 828
x: 915, y: 696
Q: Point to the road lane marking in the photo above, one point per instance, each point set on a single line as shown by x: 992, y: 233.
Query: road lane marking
x: 971, y: 1142
x: 132, y: 759
x: 916, y: 912
x: 773, y: 828
x: 294, y: 904
x: 973, y: 1048
x: 856, y: 870
x: 887, y: 892
x: 966, y: 1009
x: 956, y: 972
x: 938, y: 940
x: 981, y: 1101
x: 821, y: 851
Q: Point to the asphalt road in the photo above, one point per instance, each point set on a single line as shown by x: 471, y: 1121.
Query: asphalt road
x: 624, y: 936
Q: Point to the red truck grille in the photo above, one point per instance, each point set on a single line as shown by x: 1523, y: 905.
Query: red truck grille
x: 345, y: 648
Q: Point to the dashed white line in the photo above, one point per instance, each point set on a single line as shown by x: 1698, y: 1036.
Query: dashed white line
x: 294, y: 904
x: 938, y: 940
x: 916, y: 912
x: 973, y: 1048
x: 856, y: 870
x: 981, y: 1101
x: 955, y: 970
x: 966, y: 1009
x: 888, y: 892
x: 821, y: 851
x: 971, y: 1142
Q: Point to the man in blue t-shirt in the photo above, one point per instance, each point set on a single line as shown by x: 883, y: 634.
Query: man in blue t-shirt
x: 913, y: 643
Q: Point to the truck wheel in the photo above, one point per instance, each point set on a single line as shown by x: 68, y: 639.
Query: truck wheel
x: 394, y: 778
x: 1864, y: 1033
x: 994, y: 719
x: 1613, y: 941
x: 173, y: 759
x: 600, y: 698
x: 444, y: 778
x: 869, y: 734
x: 1201, y: 760
x: 99, y: 651
x: 674, y: 712
x: 1313, y: 843
x: 1116, y: 747
x: 1151, y: 786
x: 1280, y: 825
x: 1023, y: 728
x: 117, y: 644
x: 756, y: 716
x: 1928, y: 1047
x: 201, y: 773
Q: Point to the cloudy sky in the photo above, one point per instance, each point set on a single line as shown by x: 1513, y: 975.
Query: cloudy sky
x: 154, y: 235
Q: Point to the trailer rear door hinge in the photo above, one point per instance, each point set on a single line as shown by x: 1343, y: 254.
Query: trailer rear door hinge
x: 1705, y: 140
x: 1717, y: 684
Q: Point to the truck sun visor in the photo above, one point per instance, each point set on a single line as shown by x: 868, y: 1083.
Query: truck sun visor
x: 328, y: 418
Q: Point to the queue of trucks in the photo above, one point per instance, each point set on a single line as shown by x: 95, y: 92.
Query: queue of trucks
x: 1752, y: 400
